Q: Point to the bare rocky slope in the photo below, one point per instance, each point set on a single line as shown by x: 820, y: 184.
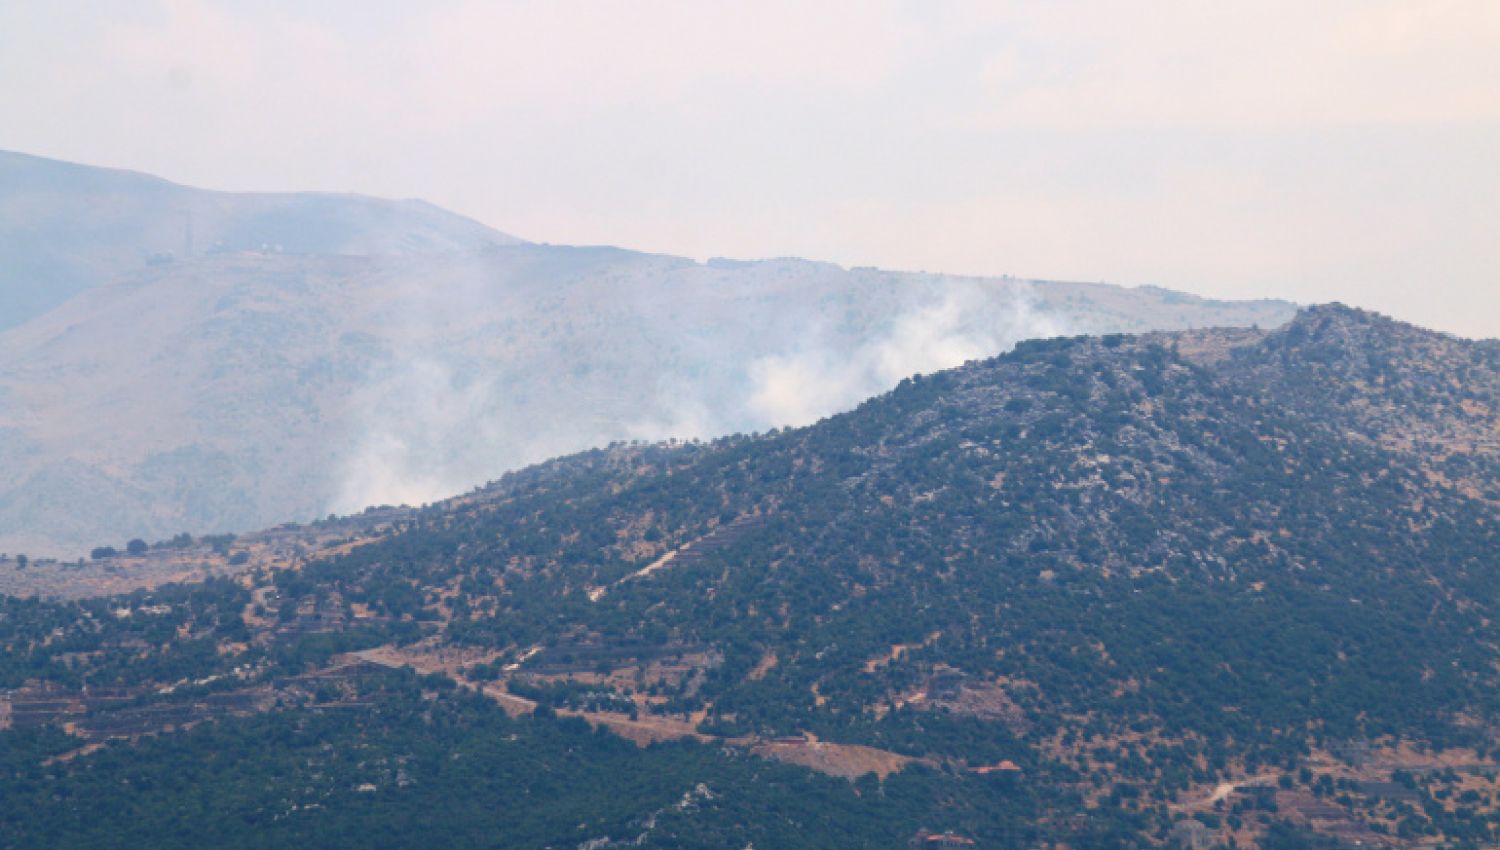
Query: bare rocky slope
x: 65, y: 228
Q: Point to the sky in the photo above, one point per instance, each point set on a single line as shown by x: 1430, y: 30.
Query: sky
x: 1337, y: 150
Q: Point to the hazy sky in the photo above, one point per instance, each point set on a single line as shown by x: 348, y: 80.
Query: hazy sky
x: 1307, y: 150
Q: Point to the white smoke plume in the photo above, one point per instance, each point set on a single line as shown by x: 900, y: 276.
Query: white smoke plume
x: 966, y: 322
x: 467, y: 396
x: 405, y: 456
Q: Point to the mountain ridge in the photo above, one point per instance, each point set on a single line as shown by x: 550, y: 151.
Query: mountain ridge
x: 66, y: 227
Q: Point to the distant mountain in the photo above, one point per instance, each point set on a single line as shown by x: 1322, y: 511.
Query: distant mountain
x: 1211, y: 587
x: 314, y: 354
x: 65, y: 228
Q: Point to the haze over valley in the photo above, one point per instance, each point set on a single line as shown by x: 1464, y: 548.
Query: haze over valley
x: 309, y: 354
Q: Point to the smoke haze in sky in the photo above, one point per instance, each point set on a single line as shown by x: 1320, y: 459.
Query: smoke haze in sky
x: 1341, y: 150
x: 428, y: 427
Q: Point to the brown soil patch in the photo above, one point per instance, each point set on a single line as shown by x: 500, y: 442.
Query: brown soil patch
x: 763, y: 666
x: 428, y: 657
x: 897, y: 650
x: 847, y: 760
x: 646, y: 729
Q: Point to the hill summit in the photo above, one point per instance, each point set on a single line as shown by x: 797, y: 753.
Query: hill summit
x: 65, y: 228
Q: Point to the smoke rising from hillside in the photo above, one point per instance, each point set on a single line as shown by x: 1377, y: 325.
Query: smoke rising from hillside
x: 412, y: 417
x: 239, y: 388
x: 438, y: 424
x: 964, y: 323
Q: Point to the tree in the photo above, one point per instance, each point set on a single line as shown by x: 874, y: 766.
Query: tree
x: 101, y: 552
x: 136, y: 547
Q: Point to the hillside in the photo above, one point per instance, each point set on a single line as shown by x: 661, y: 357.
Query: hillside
x: 1095, y: 592
x: 65, y: 228
x: 315, y: 354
